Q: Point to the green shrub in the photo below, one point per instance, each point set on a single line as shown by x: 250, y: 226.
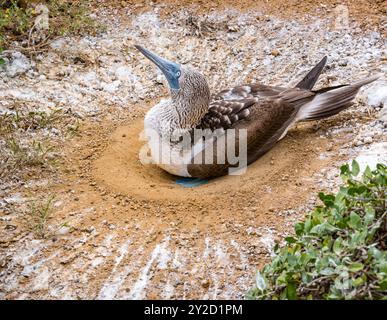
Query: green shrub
x: 2, y: 61
x: 17, y: 19
x: 339, y: 250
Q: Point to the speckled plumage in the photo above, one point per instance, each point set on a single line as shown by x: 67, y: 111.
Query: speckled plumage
x: 186, y: 107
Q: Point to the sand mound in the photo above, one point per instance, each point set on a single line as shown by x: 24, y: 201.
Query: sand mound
x: 120, y: 170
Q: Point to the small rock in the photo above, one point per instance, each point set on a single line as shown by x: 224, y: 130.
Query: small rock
x: 17, y: 65
x: 10, y: 227
x: 90, y: 229
x: 233, y: 28
x: 123, y: 73
x: 377, y: 96
x: 368, y: 140
x: 205, y: 283
x: 112, y: 87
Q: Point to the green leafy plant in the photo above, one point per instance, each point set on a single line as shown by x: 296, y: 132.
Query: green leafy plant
x: 14, y: 18
x: 70, y: 17
x: 2, y: 61
x: 34, y: 153
x: 339, y: 250
x: 31, y: 120
x: 40, y: 213
x: 29, y: 141
x: 17, y: 21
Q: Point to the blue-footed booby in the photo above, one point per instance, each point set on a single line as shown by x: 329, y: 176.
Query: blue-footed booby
x: 262, y: 113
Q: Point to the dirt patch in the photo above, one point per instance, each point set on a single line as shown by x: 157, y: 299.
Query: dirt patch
x: 137, y: 234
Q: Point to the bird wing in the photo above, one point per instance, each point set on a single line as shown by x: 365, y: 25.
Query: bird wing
x: 311, y: 78
x: 247, y: 91
x: 270, y: 118
x: 266, y: 113
x: 232, y: 105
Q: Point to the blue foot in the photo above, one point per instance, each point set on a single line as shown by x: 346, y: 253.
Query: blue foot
x: 191, y: 182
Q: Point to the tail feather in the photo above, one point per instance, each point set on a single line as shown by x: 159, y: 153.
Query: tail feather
x: 311, y: 78
x: 330, y: 101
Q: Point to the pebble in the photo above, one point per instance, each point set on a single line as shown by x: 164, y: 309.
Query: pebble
x: 205, y: 283
x: 368, y: 140
x: 90, y: 229
x: 17, y: 64
x: 10, y: 227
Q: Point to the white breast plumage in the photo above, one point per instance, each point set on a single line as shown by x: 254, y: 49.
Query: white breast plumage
x: 167, y: 156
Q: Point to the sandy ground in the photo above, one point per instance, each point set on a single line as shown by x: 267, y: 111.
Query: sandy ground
x: 133, y: 232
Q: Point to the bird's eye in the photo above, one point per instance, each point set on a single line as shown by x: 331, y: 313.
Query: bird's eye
x: 178, y: 74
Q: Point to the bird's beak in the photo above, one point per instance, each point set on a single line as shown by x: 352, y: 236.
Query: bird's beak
x: 168, y: 68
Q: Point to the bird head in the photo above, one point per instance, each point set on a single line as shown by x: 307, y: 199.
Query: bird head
x: 189, y: 89
x: 171, y: 70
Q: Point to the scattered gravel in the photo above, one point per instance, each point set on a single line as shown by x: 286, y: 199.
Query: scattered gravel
x: 91, y: 74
